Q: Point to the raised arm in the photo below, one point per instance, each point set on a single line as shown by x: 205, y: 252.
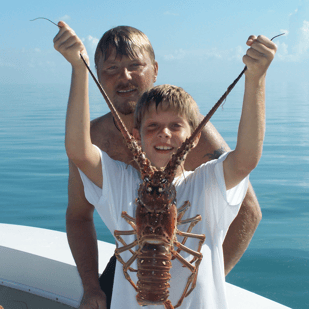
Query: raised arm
x: 79, y: 218
x: 251, y: 129
x: 241, y: 231
x: 79, y: 147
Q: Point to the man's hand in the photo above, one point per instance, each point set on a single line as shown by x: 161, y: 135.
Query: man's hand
x: 93, y: 300
x: 70, y: 46
x: 259, y: 56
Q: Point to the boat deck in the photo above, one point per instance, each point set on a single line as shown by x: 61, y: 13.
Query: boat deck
x: 15, y: 299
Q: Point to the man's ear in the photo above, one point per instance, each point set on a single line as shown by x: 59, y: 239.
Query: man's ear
x: 156, y: 68
x: 196, y: 140
x: 136, y: 135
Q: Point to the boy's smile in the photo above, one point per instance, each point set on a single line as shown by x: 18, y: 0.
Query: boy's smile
x: 162, y: 132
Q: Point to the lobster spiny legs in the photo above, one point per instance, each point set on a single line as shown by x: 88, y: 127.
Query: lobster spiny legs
x: 182, y: 210
x: 194, y: 269
x: 167, y: 305
x: 193, y: 221
x: 201, y: 237
x: 119, y: 238
x: 126, y: 265
x: 129, y: 219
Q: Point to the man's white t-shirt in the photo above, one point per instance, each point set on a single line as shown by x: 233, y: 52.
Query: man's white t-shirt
x: 205, y: 190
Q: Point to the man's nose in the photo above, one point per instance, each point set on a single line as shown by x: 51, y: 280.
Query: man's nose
x: 125, y: 74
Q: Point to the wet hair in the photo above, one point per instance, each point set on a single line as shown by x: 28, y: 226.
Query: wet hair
x: 168, y: 97
x: 127, y: 41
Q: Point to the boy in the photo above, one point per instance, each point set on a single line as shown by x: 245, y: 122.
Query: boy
x: 224, y: 181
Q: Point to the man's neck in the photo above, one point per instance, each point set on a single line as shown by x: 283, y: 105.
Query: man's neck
x: 128, y: 121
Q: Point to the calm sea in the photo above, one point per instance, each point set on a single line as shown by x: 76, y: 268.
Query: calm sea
x: 33, y: 175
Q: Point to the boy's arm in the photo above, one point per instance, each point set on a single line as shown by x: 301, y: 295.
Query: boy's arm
x: 251, y: 129
x: 240, y: 233
x: 79, y: 218
x: 78, y: 143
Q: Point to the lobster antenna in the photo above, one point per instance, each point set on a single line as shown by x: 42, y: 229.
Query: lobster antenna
x: 187, y: 145
x: 45, y: 19
x: 140, y: 158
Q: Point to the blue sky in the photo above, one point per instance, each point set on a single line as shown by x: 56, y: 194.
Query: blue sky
x: 194, y: 41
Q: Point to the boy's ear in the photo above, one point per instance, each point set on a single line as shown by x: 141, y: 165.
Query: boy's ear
x: 196, y: 140
x: 137, y: 135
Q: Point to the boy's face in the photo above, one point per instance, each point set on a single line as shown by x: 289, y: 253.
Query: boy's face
x: 162, y: 132
x: 125, y: 79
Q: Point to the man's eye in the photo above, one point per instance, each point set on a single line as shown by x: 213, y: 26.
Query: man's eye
x: 136, y: 65
x: 113, y: 67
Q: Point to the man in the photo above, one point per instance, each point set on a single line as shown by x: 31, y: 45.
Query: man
x: 126, y: 67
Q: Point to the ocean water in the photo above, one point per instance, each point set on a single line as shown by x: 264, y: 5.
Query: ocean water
x: 33, y: 175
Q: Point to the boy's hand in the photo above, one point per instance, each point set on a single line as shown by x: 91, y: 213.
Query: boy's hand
x: 69, y: 45
x: 259, y: 56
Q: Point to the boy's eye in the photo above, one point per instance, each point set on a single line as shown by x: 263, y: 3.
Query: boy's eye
x: 176, y: 125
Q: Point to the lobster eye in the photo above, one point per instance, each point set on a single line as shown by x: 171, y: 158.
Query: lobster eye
x: 149, y: 189
x: 146, y: 179
x: 163, y: 180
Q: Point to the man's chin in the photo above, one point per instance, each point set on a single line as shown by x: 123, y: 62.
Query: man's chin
x: 127, y: 108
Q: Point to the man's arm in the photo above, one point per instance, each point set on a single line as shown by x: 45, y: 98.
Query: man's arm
x: 241, y: 230
x: 83, y: 242
x: 240, y: 233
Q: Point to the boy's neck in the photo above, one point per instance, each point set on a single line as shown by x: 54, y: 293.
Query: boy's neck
x: 180, y: 170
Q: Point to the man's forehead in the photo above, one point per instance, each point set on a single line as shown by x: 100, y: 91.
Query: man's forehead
x: 112, y: 55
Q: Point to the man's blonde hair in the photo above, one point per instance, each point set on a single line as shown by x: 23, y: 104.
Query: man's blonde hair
x: 168, y: 97
x: 127, y: 41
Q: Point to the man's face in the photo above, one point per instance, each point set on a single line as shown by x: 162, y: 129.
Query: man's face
x: 125, y: 79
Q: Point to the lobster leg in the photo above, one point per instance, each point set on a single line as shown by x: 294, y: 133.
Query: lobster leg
x: 125, y: 245
x: 193, y: 221
x: 201, y: 237
x: 129, y: 219
x: 181, y: 210
x: 194, y: 269
x: 119, y: 238
x: 126, y: 265
x: 167, y: 305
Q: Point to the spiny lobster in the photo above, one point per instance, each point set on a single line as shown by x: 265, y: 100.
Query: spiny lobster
x: 157, y: 218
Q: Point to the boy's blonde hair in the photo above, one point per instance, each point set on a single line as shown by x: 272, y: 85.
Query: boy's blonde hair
x: 168, y: 97
x: 127, y: 41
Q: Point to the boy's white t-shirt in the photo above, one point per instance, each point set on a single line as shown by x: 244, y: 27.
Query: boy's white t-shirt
x: 206, y: 191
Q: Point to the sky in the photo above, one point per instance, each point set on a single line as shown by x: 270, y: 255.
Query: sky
x: 194, y: 41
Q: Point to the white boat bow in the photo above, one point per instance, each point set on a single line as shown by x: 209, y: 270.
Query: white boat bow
x: 37, y: 271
